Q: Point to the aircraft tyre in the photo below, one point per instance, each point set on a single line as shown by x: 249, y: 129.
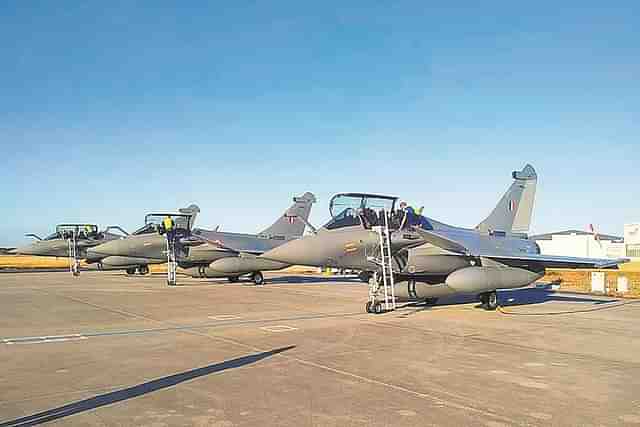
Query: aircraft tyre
x: 131, y: 271
x: 431, y: 301
x: 257, y: 278
x: 489, y: 300
x: 364, y: 276
x: 367, y: 307
x: 377, y: 308
x: 143, y: 270
x: 233, y: 279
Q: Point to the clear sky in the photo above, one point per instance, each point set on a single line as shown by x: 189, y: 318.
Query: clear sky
x: 109, y: 110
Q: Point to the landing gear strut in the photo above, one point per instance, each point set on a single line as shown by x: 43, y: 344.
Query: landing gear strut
x: 257, y: 278
x: 489, y: 300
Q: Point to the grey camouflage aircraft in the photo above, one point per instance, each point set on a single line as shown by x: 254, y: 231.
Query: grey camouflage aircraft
x: 213, y: 253
x: 138, y: 264
x: 56, y: 245
x: 430, y: 259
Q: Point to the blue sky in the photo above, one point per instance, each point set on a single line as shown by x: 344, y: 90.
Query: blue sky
x: 109, y: 110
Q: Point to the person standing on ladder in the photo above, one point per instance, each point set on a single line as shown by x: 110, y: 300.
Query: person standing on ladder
x: 168, y: 226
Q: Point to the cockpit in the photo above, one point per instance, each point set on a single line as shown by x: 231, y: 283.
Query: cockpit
x: 371, y: 210
x: 359, y: 209
x: 80, y: 231
x: 153, y: 223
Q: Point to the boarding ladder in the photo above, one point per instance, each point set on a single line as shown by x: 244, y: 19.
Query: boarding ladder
x: 172, y: 264
x: 74, y: 258
x: 382, y: 285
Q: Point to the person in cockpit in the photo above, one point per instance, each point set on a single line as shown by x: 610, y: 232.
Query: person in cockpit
x: 413, y: 217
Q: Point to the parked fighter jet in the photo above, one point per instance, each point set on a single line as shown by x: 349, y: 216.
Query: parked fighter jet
x: 430, y: 259
x: 57, y: 245
x: 140, y: 264
x: 204, y: 253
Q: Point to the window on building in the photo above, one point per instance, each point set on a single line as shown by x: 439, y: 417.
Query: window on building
x: 633, y: 251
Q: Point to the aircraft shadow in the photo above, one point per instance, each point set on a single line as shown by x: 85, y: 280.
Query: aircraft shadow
x: 523, y: 296
x: 292, y: 280
x: 138, y: 390
x: 343, y: 280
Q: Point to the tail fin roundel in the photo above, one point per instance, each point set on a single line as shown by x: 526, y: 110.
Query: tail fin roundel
x: 513, y: 212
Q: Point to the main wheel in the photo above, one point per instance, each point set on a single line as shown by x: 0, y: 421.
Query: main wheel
x: 364, y: 276
x: 232, y: 279
x: 492, y: 301
x: 377, y: 308
x: 131, y: 271
x: 431, y: 301
x: 257, y: 278
x: 143, y: 269
x: 368, y: 307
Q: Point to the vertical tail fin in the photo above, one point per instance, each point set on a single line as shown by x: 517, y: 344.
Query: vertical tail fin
x: 290, y: 225
x: 513, y: 213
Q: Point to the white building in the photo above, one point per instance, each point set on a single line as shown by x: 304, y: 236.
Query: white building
x: 582, y: 244
x: 632, y: 240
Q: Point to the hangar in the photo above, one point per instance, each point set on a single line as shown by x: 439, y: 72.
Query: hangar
x: 591, y: 245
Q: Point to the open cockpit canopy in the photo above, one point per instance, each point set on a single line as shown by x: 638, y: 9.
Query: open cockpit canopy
x: 354, y: 209
x: 153, y: 220
x: 64, y: 231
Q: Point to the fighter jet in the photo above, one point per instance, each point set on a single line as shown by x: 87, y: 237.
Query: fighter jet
x: 131, y: 264
x: 57, y: 245
x: 426, y: 259
x: 213, y: 253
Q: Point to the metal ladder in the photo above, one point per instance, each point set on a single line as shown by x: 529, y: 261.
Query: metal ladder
x: 172, y: 264
x: 74, y: 260
x: 384, y: 291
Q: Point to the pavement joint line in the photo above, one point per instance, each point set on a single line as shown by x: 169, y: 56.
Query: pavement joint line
x: 194, y: 327
x: 435, y: 399
x: 193, y: 330
x: 479, y: 338
x: 278, y: 328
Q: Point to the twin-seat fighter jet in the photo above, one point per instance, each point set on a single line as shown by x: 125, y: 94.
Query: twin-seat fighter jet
x: 205, y: 253
x: 427, y: 259
x: 57, y: 244
x: 135, y: 263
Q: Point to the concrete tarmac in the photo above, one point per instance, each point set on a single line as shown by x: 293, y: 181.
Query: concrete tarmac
x: 107, y: 349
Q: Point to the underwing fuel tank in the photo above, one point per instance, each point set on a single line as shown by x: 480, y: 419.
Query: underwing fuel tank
x: 483, y: 279
x: 469, y: 280
x: 235, y: 266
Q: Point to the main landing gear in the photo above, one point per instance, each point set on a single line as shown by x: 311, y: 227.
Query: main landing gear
x: 142, y: 270
x: 257, y: 278
x: 489, y: 300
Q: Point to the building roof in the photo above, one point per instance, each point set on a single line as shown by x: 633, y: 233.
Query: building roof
x: 548, y: 236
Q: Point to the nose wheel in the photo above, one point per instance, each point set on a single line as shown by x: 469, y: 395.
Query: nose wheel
x: 374, y: 307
